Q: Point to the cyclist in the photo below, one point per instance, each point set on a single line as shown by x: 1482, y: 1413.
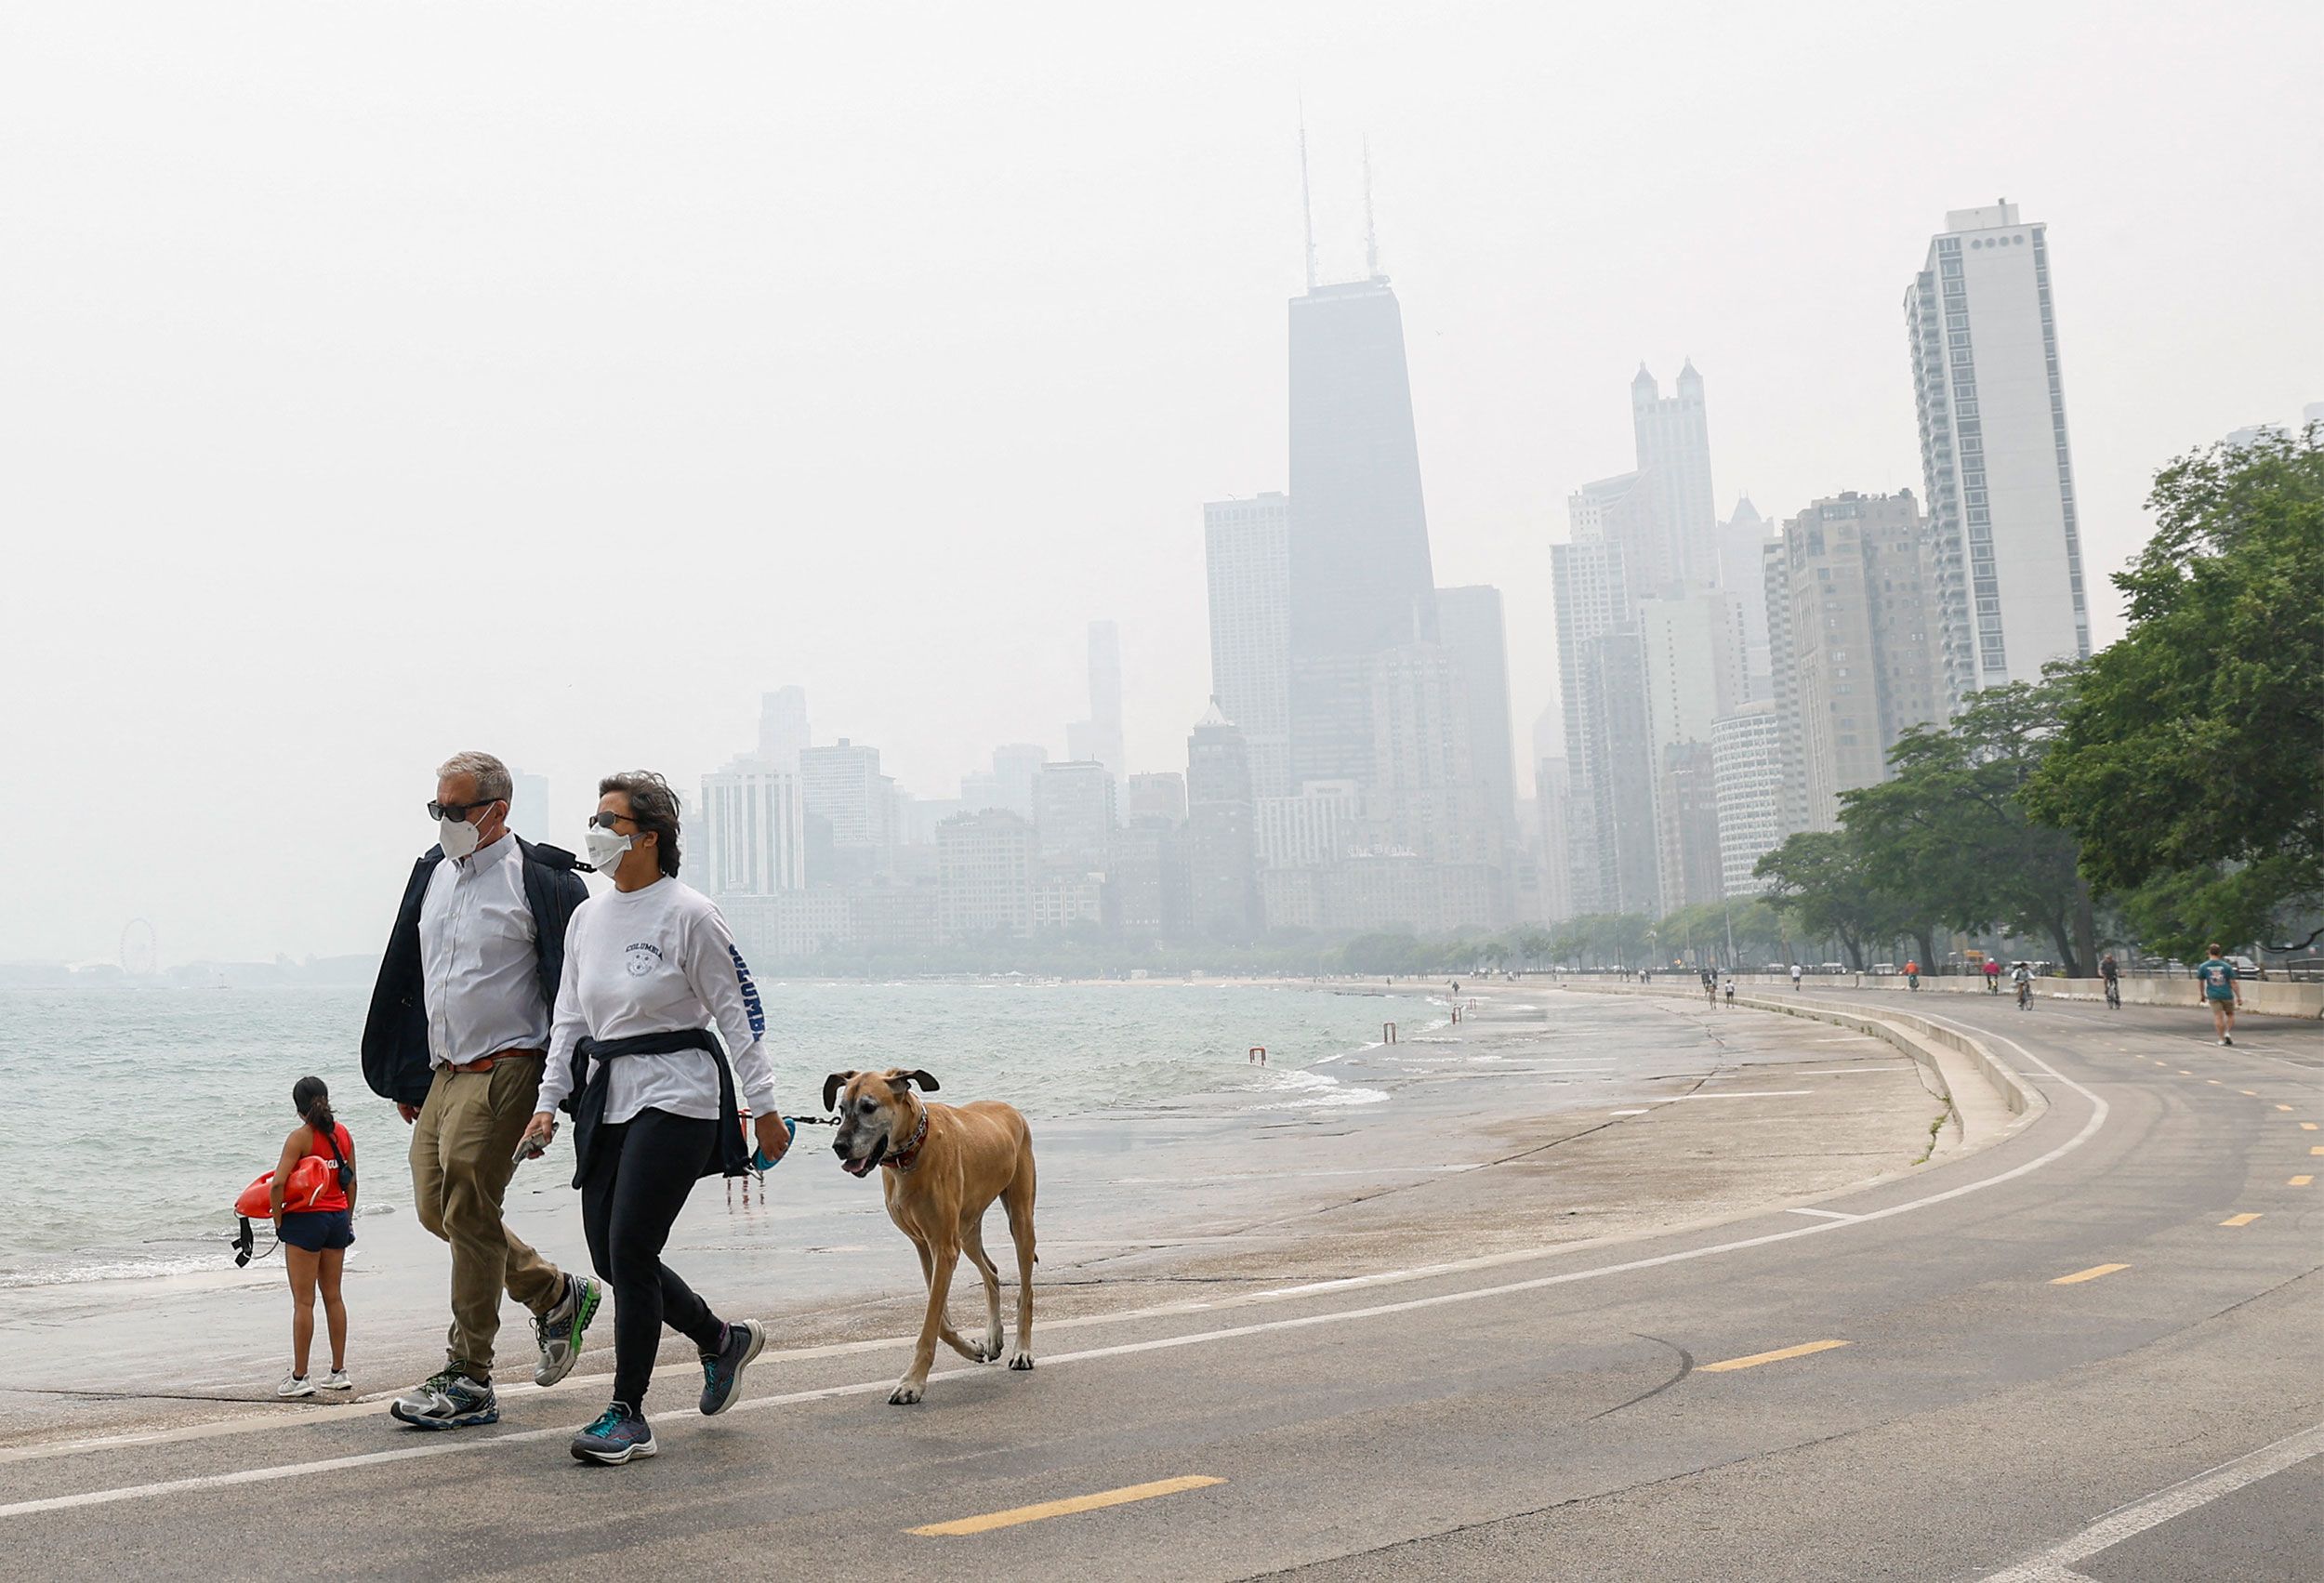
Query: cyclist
x: 1912, y: 973
x: 1993, y: 975
x: 2021, y: 976
x: 2221, y: 993
x: 2110, y: 974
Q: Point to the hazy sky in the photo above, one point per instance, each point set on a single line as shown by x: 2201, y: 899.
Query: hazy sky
x: 380, y: 380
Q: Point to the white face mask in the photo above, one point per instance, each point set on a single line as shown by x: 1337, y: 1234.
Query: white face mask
x: 605, y: 848
x: 457, y: 838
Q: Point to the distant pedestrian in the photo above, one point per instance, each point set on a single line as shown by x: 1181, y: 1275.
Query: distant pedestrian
x: 457, y: 1033
x: 1730, y: 989
x: 1795, y: 978
x: 2221, y: 992
x: 315, y: 1238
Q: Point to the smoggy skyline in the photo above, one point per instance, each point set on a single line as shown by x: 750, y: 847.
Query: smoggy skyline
x: 385, y: 382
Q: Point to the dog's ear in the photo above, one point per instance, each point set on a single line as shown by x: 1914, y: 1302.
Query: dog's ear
x: 926, y: 1080
x: 831, y: 1087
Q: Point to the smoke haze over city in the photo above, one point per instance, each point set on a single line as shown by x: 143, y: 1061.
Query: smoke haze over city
x: 381, y: 381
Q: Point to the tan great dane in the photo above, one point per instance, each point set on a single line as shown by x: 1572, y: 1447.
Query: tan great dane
x: 944, y: 1165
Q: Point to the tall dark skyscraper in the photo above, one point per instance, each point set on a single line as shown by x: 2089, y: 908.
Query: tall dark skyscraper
x: 1360, y: 578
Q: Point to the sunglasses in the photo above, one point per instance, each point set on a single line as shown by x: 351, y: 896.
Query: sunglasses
x: 606, y: 821
x: 457, y: 810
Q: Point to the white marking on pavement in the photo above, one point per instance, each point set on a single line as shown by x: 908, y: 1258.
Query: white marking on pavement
x: 2163, y: 1505
x: 436, y: 1447
x: 1828, y: 1214
x: 1755, y: 1094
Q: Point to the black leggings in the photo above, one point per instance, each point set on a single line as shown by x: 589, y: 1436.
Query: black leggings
x: 641, y: 1171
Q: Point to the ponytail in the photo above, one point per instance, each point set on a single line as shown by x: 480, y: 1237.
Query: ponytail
x: 312, y: 1101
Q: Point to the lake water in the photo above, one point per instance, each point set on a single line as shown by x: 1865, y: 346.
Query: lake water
x: 134, y: 1115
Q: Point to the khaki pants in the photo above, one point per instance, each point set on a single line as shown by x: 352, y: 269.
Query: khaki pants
x: 461, y: 1146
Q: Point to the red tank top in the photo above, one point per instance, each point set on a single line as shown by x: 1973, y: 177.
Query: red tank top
x: 333, y: 1196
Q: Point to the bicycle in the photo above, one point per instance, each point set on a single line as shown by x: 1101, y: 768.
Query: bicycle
x: 2114, y: 994
x: 2025, y: 994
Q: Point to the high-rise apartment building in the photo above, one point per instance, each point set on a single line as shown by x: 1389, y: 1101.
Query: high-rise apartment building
x: 1247, y: 549
x: 783, y: 725
x: 1157, y: 794
x: 1742, y: 539
x: 2005, y: 545
x: 1553, y: 806
x: 1100, y: 736
x: 1686, y: 827
x: 1320, y: 825
x: 751, y: 836
x: 1673, y: 439
x: 1861, y: 664
x: 1746, y: 774
x: 1426, y: 798
x: 1073, y: 807
x: 851, y: 812
x: 987, y: 864
x: 1221, y: 853
x: 1470, y: 622
x: 1590, y: 586
x: 1617, y: 860
x: 1360, y: 576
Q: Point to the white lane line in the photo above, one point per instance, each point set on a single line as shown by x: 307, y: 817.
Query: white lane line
x: 1754, y: 1094
x: 1827, y: 1214
x: 2099, y: 1111
x: 2163, y: 1505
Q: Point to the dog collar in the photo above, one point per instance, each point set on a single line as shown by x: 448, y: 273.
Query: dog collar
x: 903, y: 1159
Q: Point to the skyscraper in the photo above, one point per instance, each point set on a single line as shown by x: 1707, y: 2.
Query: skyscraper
x: 1741, y: 537
x: 854, y: 807
x: 783, y: 725
x: 1360, y: 576
x: 1073, y: 807
x: 1747, y: 772
x: 2005, y: 547
x: 1474, y: 629
x: 1590, y: 585
x: 1221, y: 848
x: 1673, y: 435
x: 1100, y: 737
x: 753, y: 829
x: 1427, y: 798
x: 1246, y: 554
x: 1860, y: 664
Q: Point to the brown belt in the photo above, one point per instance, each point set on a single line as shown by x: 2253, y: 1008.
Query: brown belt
x: 484, y: 1062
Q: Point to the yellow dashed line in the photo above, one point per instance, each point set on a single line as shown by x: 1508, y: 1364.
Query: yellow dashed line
x: 2300, y: 1181
x: 2283, y: 1107
x: 2307, y: 1126
x: 1047, y: 1509
x: 2089, y: 1274
x: 2317, y: 1149
x: 2184, y: 1073
x: 2238, y: 1220
x: 1778, y: 1357
x: 2214, y: 1082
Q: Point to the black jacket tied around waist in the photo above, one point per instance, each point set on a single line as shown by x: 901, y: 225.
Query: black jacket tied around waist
x: 592, y: 1081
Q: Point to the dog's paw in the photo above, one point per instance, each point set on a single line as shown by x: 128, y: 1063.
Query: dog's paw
x: 1021, y: 1359
x: 906, y: 1394
x: 989, y: 1350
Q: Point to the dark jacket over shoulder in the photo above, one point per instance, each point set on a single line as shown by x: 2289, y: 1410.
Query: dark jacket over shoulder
x: 395, y: 1034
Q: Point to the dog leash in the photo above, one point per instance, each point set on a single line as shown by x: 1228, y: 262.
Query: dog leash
x: 791, y: 1124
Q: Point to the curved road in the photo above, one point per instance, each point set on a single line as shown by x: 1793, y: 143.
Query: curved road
x: 2094, y: 1349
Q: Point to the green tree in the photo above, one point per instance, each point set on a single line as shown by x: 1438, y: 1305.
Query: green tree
x: 2191, y: 760
x: 1949, y: 837
x: 1825, y: 881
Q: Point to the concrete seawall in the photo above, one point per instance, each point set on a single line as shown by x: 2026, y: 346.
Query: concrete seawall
x: 2266, y: 998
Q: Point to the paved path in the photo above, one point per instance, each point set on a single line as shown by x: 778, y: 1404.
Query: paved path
x: 2092, y: 1350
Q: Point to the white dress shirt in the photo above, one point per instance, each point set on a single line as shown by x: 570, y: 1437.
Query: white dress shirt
x: 652, y: 961
x: 480, y: 958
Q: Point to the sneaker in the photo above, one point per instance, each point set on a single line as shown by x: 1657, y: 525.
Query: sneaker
x: 337, y: 1380
x: 2228, y: 1040
x: 619, y: 1433
x: 450, y: 1399
x: 560, y: 1331
x: 722, y: 1370
x: 295, y: 1385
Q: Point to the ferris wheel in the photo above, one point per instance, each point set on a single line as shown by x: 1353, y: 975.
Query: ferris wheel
x: 139, y: 952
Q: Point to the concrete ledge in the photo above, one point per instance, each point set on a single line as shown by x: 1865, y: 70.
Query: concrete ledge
x: 1928, y: 1044
x: 2268, y: 997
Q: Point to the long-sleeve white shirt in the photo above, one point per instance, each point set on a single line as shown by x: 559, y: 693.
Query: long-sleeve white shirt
x: 480, y: 958
x: 650, y: 961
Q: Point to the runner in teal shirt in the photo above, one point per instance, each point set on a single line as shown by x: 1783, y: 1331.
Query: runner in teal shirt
x: 2221, y: 993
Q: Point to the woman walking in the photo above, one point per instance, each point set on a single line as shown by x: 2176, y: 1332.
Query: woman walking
x: 315, y: 1239
x: 649, y: 967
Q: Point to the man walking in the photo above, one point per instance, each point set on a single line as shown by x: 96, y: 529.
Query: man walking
x: 457, y: 1032
x: 1795, y: 978
x: 2221, y: 993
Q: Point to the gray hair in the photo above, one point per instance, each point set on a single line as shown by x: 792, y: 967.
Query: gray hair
x: 493, y: 783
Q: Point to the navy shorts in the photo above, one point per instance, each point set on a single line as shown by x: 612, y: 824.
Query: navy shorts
x: 319, y: 1231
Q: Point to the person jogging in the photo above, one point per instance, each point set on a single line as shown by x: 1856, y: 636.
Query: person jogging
x: 653, y: 968
x: 2021, y: 976
x: 315, y: 1239
x: 1795, y: 977
x: 2221, y: 992
x: 456, y: 1036
x: 2110, y: 975
x: 1993, y: 975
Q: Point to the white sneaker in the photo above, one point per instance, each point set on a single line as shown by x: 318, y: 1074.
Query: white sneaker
x: 337, y: 1380
x: 295, y: 1385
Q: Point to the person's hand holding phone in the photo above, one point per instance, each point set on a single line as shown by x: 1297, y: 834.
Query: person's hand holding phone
x: 538, y: 1133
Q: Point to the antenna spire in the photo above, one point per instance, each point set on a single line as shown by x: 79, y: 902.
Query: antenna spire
x: 1307, y: 204
x: 1371, y: 236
